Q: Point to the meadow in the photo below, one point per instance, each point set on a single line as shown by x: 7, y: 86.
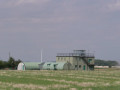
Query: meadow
x: 104, y: 79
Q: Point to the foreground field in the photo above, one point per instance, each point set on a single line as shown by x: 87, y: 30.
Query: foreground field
x: 60, y: 80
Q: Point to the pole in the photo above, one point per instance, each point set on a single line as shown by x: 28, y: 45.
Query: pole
x: 41, y: 56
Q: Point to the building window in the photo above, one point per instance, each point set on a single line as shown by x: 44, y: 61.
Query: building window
x: 89, y: 60
x: 48, y: 64
x: 75, y: 66
x: 79, y: 66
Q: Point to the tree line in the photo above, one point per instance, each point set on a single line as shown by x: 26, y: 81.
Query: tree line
x: 10, y: 64
x: 99, y: 62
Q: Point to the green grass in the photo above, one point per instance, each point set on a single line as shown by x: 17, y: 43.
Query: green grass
x: 106, y: 79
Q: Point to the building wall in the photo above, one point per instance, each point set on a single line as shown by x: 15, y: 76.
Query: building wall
x: 21, y: 66
x: 91, y: 60
x: 77, y: 62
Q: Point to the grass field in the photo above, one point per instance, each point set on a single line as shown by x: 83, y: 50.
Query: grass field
x: 108, y: 79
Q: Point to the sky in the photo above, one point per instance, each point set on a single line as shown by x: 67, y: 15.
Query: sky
x: 57, y: 26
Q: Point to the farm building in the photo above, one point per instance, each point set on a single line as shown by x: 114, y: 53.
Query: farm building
x: 57, y: 66
x: 98, y: 67
x: 79, y: 59
x: 29, y: 66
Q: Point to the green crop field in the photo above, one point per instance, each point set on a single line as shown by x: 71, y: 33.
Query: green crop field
x: 104, y: 79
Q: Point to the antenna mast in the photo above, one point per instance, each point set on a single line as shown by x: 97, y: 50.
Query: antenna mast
x: 41, y: 56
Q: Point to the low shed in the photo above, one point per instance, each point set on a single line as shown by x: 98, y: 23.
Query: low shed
x: 29, y: 66
x: 57, y: 66
x: 21, y: 66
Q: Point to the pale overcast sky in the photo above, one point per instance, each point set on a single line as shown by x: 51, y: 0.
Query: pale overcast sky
x: 27, y: 26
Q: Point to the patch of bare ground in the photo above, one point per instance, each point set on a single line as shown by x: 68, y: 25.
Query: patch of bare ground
x: 86, y: 89
x: 30, y: 86
x: 101, y: 77
x: 86, y: 84
x: 85, y: 78
x: 48, y: 75
x: 103, y: 84
x: 22, y: 86
x: 73, y: 89
x: 106, y: 84
x: 83, y: 84
x: 2, y: 73
x: 117, y: 83
x: 60, y: 86
x: 70, y: 74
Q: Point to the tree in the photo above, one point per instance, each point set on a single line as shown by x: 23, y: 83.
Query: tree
x: 11, y: 62
x: 17, y: 62
x: 1, y: 64
x: 109, y: 63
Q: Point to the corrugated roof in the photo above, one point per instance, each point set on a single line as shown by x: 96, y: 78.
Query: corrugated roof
x: 60, y: 65
x: 32, y: 65
x: 50, y: 65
